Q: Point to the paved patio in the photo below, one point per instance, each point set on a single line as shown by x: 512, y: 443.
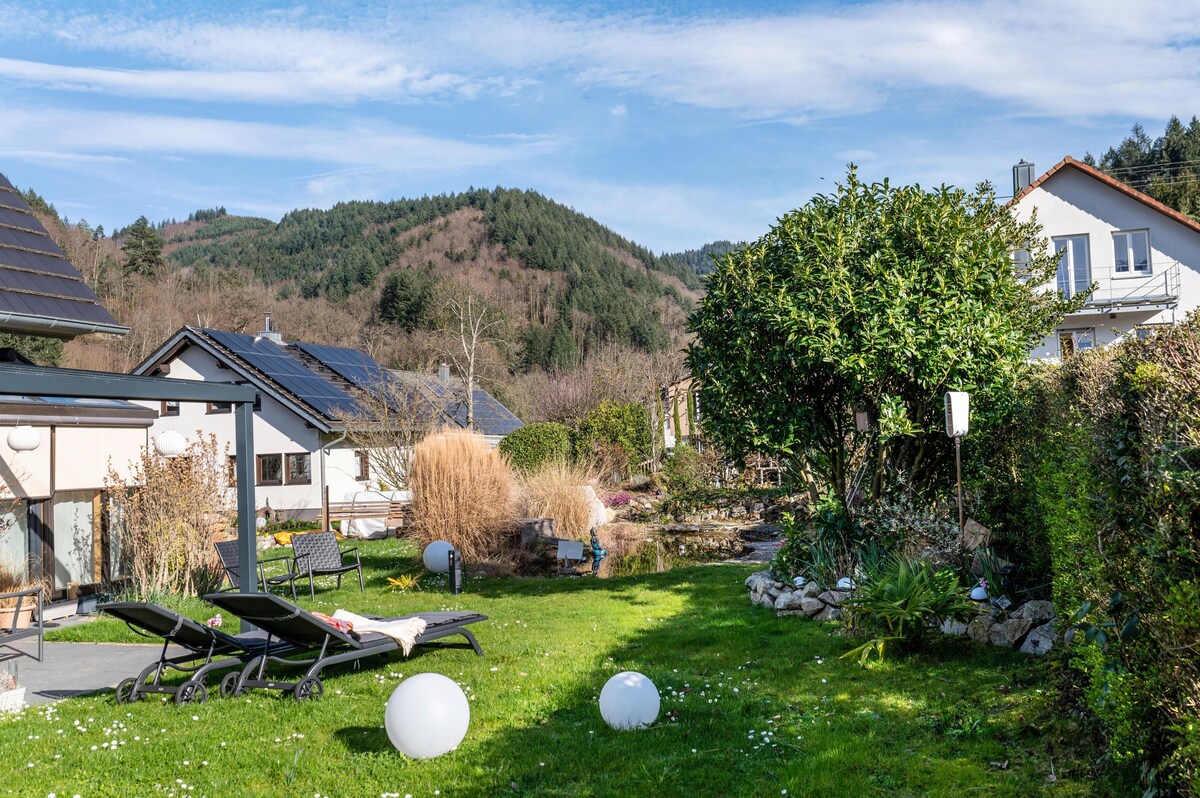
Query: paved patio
x: 70, y: 669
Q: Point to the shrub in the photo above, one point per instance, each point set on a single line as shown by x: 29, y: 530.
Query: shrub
x: 166, y: 514
x: 613, y: 435
x: 901, y: 602
x: 463, y: 493
x: 684, y: 471
x: 533, y: 445
x: 560, y: 491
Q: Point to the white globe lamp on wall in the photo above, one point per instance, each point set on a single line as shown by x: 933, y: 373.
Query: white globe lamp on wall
x: 427, y: 716
x: 24, y: 438
x: 629, y: 700
x: 170, y: 444
x: 437, y: 556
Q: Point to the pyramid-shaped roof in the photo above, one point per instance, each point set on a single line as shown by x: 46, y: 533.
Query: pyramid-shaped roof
x: 40, y: 291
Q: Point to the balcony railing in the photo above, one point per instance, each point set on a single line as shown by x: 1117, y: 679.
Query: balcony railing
x: 1117, y: 292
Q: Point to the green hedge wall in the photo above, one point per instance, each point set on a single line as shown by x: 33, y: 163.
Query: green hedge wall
x: 1096, y: 478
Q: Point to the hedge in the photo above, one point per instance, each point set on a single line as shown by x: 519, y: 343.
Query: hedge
x: 528, y: 447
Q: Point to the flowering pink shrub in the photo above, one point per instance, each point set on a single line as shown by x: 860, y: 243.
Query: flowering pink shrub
x: 617, y: 499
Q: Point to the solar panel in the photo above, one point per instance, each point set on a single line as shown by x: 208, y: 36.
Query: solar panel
x: 292, y: 375
x: 358, y: 368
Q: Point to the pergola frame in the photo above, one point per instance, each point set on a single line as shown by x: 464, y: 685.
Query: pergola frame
x: 24, y: 380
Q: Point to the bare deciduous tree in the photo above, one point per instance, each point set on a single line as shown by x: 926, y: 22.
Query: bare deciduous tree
x: 392, y: 418
x: 472, y: 330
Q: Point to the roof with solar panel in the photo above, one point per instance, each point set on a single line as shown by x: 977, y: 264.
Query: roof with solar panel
x: 322, y: 383
x: 40, y: 291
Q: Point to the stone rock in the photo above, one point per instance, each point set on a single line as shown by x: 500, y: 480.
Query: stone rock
x: 980, y: 628
x: 1015, y: 630
x: 835, y: 597
x: 737, y: 511
x: 767, y: 601
x: 953, y: 627
x: 811, y: 589
x: 1035, y: 611
x: 997, y: 637
x: 756, y: 508
x: 789, y: 601
x: 788, y: 613
x: 266, y: 542
x: 811, y: 605
x: 757, y: 577
x: 1040, y: 640
x: 828, y: 613
x: 637, y: 481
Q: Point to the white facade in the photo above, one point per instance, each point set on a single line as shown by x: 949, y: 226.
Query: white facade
x: 278, y: 431
x: 1143, y: 258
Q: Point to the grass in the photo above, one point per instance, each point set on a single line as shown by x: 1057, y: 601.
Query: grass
x: 752, y: 705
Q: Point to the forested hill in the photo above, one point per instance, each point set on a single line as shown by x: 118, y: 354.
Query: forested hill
x: 1167, y: 168
x: 700, y: 261
x: 565, y: 282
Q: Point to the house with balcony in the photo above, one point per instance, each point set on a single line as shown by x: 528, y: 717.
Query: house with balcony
x: 1142, y: 257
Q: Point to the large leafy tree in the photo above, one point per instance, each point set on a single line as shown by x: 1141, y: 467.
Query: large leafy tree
x: 875, y: 297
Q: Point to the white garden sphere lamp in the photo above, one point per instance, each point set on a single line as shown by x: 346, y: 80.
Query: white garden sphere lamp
x: 170, y: 444
x: 437, y: 556
x: 629, y: 700
x: 24, y: 438
x: 427, y: 716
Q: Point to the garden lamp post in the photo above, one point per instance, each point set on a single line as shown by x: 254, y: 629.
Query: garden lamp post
x: 958, y: 422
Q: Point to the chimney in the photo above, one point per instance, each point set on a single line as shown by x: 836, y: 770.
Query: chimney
x: 268, y: 333
x: 444, y: 372
x: 1022, y: 177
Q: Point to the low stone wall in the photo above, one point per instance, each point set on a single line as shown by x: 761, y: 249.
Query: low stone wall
x: 1028, y: 627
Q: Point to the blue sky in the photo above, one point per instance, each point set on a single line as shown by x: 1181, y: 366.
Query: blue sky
x: 672, y: 123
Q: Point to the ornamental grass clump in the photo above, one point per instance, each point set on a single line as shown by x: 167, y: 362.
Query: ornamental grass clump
x: 902, y: 601
x: 560, y: 490
x: 463, y: 493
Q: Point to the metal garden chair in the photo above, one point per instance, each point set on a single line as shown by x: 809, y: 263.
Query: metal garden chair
x: 317, y: 554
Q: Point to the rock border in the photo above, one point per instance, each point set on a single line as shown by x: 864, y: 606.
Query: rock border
x: 1028, y: 628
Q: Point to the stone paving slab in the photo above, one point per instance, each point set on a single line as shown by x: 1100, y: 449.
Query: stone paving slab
x: 71, y: 669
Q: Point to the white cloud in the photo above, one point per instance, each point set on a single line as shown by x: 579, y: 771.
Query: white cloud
x: 619, y: 110
x: 383, y: 146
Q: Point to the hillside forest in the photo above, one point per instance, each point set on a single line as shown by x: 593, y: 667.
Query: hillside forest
x: 575, y: 313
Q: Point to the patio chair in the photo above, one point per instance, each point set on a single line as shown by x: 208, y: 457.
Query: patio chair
x: 227, y: 550
x: 305, y: 631
x: 205, y: 650
x: 13, y: 632
x: 317, y: 554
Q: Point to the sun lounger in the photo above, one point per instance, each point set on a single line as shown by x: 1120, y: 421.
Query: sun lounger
x: 205, y: 650
x: 329, y: 645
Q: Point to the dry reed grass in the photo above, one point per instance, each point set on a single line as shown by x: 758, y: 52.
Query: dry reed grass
x: 557, y: 490
x: 463, y: 493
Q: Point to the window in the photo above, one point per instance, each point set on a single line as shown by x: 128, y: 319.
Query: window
x: 1074, y: 265
x: 231, y: 470
x: 1072, y: 341
x: 364, y: 466
x: 219, y: 407
x: 270, y: 469
x: 1131, y: 250
x: 169, y: 408
x: 298, y: 468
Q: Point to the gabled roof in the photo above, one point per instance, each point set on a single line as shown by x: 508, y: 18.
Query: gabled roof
x: 40, y: 291
x: 320, y: 383
x: 1113, y: 183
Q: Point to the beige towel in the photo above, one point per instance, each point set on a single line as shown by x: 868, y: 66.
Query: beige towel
x: 404, y: 631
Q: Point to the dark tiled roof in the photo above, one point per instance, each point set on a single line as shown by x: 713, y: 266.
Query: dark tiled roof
x: 40, y: 291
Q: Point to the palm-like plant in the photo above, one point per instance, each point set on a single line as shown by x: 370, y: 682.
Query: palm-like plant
x: 901, y: 601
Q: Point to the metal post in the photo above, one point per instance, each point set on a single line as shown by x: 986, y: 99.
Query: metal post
x: 243, y: 425
x: 958, y: 470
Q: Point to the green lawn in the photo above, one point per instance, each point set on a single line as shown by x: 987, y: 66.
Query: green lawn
x: 752, y: 706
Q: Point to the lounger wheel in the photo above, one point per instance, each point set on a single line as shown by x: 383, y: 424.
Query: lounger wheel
x: 231, y: 685
x: 189, y: 692
x: 127, y: 691
x: 309, y: 689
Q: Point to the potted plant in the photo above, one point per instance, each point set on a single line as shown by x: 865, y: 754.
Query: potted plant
x: 14, y: 578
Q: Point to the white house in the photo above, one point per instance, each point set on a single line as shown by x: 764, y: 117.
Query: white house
x: 1143, y: 256
x: 304, y: 392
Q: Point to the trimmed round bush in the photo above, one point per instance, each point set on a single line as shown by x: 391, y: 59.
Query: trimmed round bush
x: 533, y: 445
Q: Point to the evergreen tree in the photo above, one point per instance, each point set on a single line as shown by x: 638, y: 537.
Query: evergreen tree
x: 143, y: 249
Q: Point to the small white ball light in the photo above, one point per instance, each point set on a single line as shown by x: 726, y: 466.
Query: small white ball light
x: 170, y: 444
x: 437, y: 556
x: 629, y: 700
x: 24, y: 438
x: 260, y: 523
x: 845, y: 583
x: 979, y: 593
x: 427, y: 716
